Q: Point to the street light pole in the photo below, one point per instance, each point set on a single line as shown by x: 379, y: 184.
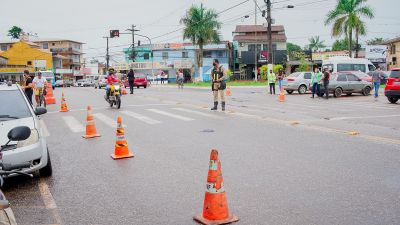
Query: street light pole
x: 107, y: 56
x: 255, y: 41
x: 133, y: 40
x: 151, y: 54
x: 269, y: 21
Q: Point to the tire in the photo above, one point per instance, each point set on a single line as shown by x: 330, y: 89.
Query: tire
x: 145, y: 86
x: 302, y: 89
x: 118, y: 104
x: 289, y: 92
x: 366, y: 91
x: 47, y: 171
x: 349, y: 94
x: 337, y: 93
x: 392, y: 100
x: 322, y: 94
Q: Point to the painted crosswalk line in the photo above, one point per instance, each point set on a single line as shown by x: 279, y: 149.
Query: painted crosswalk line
x: 170, y: 115
x: 107, y: 120
x: 195, y: 112
x: 73, y: 124
x: 141, y: 117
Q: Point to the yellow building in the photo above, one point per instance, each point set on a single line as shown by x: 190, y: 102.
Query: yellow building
x: 24, y: 56
x: 393, y: 54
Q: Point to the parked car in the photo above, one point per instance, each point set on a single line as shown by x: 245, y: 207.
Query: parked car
x: 299, y: 81
x: 140, y: 81
x: 84, y: 83
x: 30, y: 155
x: 392, y: 88
x: 347, y: 83
x: 361, y: 75
x: 63, y: 83
x: 100, y: 81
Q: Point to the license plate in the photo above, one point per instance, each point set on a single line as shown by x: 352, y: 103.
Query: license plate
x: 396, y: 83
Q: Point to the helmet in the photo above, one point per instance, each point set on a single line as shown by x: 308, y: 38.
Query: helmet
x: 111, y: 70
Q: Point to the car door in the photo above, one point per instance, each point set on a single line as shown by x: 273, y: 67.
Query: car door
x: 355, y: 83
x: 307, y: 79
x: 341, y: 81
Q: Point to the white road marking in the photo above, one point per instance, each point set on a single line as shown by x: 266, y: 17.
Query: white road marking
x: 73, y: 124
x: 48, y: 199
x: 45, y: 131
x: 195, y: 112
x: 170, y: 115
x: 141, y: 117
x: 97, y: 108
x: 107, y: 120
x: 363, y: 117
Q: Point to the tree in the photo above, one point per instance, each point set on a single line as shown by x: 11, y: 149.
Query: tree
x: 303, y: 67
x: 293, y: 47
x: 15, y: 32
x: 201, y: 27
x: 316, y: 44
x: 376, y: 41
x: 341, y: 45
x: 346, y: 19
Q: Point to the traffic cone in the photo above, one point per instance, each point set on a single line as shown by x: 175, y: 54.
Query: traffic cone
x: 91, y: 131
x: 49, y: 98
x: 121, y: 146
x: 64, y: 107
x: 228, y: 91
x: 282, y: 95
x: 215, y: 209
x: 123, y: 91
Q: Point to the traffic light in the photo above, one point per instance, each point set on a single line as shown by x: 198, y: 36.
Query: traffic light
x: 114, y: 33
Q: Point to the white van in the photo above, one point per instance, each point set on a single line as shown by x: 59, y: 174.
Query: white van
x: 338, y: 64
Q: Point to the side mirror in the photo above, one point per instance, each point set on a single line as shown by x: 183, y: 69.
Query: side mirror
x: 19, y: 133
x: 40, y: 111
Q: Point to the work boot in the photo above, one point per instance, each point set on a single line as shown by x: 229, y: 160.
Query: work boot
x: 215, y: 106
x: 223, y: 106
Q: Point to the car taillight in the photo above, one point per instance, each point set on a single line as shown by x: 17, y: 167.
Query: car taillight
x: 290, y: 79
x: 390, y: 81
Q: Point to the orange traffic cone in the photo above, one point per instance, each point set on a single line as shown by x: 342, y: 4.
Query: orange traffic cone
x: 281, y: 97
x: 49, y: 98
x: 64, y: 107
x: 121, y: 146
x: 91, y: 131
x: 215, y: 209
x: 123, y: 91
x: 228, y: 91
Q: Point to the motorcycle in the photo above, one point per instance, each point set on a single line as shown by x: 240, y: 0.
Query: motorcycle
x: 16, y: 134
x: 114, y: 97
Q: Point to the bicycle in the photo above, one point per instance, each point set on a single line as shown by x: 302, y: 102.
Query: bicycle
x: 42, y: 94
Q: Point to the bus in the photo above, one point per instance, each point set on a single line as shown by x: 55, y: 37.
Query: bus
x: 50, y: 77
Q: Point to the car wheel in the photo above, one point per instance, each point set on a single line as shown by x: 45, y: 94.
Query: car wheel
x: 366, y: 91
x: 322, y: 94
x: 289, y: 92
x: 47, y: 171
x: 337, y: 93
x: 302, y: 89
x: 138, y: 87
x: 95, y: 87
x: 349, y: 94
x: 145, y: 86
x: 393, y: 100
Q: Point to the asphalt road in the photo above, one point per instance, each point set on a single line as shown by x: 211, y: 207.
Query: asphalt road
x: 296, y: 162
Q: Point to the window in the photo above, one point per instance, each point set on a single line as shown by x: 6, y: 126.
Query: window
x: 393, y: 49
x: 394, y: 60
x: 307, y: 76
x: 185, y: 55
x: 165, y: 55
x: 351, y: 67
x: 29, y: 63
x: 359, y: 67
x: 342, y: 77
x: 252, y: 48
x: 351, y: 77
x: 13, y: 104
x: 371, y: 67
x: 395, y: 74
x: 274, y: 47
x: 146, y: 55
x: 207, y: 54
x: 53, y: 44
x: 3, y: 47
x: 45, y: 45
x: 220, y: 54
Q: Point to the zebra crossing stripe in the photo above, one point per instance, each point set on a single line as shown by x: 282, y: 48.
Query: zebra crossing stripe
x: 140, y: 117
x: 107, y: 120
x: 171, y: 115
x: 73, y: 124
x: 195, y: 112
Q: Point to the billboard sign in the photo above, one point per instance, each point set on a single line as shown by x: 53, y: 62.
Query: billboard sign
x: 376, y: 53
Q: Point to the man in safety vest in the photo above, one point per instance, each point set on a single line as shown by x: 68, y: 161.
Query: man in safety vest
x: 271, y: 81
x: 218, y: 75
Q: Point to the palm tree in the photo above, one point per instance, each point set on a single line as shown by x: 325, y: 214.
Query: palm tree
x: 316, y: 44
x: 346, y: 19
x: 201, y: 27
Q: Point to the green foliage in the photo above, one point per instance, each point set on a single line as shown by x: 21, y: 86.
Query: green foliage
x: 376, y: 41
x: 316, y: 44
x: 293, y: 47
x: 229, y: 73
x: 276, y: 68
x: 264, y: 72
x: 303, y: 65
x: 341, y: 45
x: 15, y: 32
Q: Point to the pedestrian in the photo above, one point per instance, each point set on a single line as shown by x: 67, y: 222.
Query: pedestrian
x: 271, y: 81
x: 39, y: 85
x: 218, y: 86
x: 376, y: 80
x: 162, y: 76
x: 159, y: 78
x: 179, y: 78
x: 325, y: 79
x: 281, y: 75
x: 315, y: 82
x: 28, y: 87
x: 131, y: 80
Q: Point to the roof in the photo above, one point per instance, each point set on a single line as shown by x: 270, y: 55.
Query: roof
x: 257, y: 28
x: 263, y: 38
x: 3, y: 57
x: 40, y: 40
x: 392, y: 40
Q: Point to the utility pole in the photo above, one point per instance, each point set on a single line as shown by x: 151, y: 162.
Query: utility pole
x: 107, y: 56
x: 255, y: 40
x: 133, y: 40
x: 269, y: 20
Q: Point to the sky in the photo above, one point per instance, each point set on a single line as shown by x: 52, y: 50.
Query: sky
x: 89, y: 21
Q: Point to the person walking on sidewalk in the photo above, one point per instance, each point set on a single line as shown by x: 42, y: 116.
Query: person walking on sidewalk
x: 218, y: 75
x: 271, y: 80
x: 131, y: 80
x: 325, y: 79
x: 281, y: 75
x: 315, y: 82
x: 179, y: 78
x: 376, y: 80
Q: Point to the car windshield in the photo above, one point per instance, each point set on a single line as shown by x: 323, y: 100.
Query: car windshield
x: 140, y: 76
x: 294, y: 75
x: 360, y: 74
x: 395, y: 74
x: 13, y: 105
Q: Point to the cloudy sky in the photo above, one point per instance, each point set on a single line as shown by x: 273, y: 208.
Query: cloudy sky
x: 89, y: 20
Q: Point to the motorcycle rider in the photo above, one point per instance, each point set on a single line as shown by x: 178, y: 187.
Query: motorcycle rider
x: 111, y: 79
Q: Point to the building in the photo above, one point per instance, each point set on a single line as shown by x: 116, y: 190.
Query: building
x: 24, y: 56
x: 251, y: 43
x: 393, y: 54
x: 170, y: 57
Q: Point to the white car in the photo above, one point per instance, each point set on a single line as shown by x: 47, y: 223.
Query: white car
x: 30, y: 155
x: 299, y: 81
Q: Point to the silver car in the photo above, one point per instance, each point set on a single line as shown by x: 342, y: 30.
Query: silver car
x: 347, y: 83
x: 299, y: 81
x: 30, y: 155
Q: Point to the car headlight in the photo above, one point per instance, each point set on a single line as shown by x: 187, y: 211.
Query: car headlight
x: 32, y: 139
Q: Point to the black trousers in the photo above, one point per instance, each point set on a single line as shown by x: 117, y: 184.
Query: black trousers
x: 326, y: 85
x: 271, y: 88
x: 131, y: 86
x: 29, y: 94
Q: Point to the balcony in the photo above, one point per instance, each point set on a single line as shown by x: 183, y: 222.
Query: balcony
x: 74, y: 51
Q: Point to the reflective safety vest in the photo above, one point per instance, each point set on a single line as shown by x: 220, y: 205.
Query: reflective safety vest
x: 271, y: 78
